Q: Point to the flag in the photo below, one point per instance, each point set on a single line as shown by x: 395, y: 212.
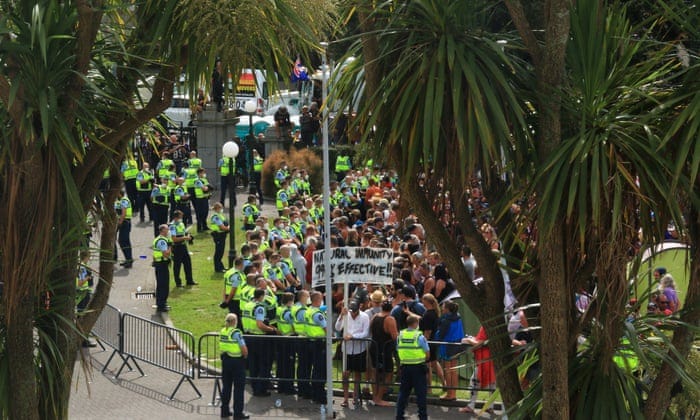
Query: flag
x: 299, y: 72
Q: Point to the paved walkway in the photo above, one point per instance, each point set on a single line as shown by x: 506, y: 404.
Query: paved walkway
x: 132, y: 396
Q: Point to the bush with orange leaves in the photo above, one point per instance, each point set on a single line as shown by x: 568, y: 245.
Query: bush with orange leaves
x: 301, y: 159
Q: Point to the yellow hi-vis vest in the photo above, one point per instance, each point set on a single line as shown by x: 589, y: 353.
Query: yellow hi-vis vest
x: 126, y: 204
x: 313, y: 330
x: 224, y: 168
x: 164, y: 169
x: 190, y: 175
x: 250, y: 325
x: 285, y: 328
x: 229, y: 345
x: 157, y: 253
x: 625, y: 358
x: 299, y: 325
x: 342, y: 164
x: 410, y: 352
x: 147, y: 179
x: 257, y: 164
x: 130, y: 169
x: 228, y: 282
x: 195, y: 163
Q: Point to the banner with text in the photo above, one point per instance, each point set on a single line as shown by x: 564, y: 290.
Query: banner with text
x: 354, y: 265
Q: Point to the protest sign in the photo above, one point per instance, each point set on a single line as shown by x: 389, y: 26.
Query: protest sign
x: 354, y: 265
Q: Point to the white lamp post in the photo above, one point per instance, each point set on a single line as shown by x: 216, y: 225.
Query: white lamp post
x: 230, y: 151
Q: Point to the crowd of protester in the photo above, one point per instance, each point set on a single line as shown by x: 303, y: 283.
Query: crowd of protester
x: 269, y: 285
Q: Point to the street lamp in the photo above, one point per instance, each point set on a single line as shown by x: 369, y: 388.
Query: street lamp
x: 230, y: 151
x: 250, y: 107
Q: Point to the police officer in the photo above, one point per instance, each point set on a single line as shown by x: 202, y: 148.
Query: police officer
x: 83, y: 282
x: 282, y: 197
x: 181, y: 201
x: 162, y: 250
x: 233, y: 350
x: 218, y: 225
x: 194, y: 162
x: 256, y: 175
x: 165, y: 165
x: 144, y: 186
x: 342, y: 165
x: 303, y: 356
x: 124, y: 212
x: 83, y: 288
x: 225, y: 165
x: 202, y: 192
x: 129, y: 169
x: 413, y: 351
x: 181, y: 256
x: 315, y: 327
x: 160, y: 197
x: 250, y: 213
x: 285, y: 352
x: 233, y: 280
x: 255, y: 323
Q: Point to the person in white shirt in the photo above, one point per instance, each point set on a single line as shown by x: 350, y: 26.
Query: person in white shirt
x: 355, y: 329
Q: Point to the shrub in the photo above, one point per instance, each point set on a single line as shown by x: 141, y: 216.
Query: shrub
x: 302, y: 159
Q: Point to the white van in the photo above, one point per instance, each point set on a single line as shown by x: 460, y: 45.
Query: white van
x: 179, y: 112
x: 252, y: 85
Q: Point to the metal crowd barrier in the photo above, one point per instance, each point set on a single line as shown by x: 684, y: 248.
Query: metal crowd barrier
x: 158, y: 345
x: 107, y: 330
x: 457, y: 355
x: 209, y: 362
x: 135, y: 338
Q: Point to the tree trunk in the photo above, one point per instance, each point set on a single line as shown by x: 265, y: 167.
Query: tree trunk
x: 487, y: 300
x: 20, y: 356
x: 27, y: 230
x: 554, y: 300
x: 660, y: 394
x: 553, y: 283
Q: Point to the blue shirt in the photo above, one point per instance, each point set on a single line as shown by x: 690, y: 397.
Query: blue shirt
x: 285, y: 269
x: 318, y: 319
x: 259, y: 313
x: 239, y: 338
x: 287, y: 317
x: 215, y: 219
x: 301, y: 315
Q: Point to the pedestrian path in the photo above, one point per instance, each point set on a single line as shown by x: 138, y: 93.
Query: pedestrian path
x: 96, y: 395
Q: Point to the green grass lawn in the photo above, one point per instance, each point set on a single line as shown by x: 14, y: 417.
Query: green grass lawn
x: 196, y: 309
x: 675, y: 261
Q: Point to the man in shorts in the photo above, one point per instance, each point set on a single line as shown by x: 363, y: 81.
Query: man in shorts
x: 355, y: 329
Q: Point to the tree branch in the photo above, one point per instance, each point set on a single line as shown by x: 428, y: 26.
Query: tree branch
x: 517, y: 13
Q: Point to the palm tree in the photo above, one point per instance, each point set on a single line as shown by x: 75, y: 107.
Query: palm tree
x: 444, y: 103
x: 68, y: 89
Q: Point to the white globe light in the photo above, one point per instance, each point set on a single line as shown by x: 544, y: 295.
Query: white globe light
x: 230, y: 149
x: 250, y: 107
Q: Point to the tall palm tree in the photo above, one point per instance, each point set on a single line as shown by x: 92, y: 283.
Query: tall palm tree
x: 593, y: 168
x: 444, y: 103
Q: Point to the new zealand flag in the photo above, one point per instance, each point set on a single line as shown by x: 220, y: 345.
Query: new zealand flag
x: 299, y: 72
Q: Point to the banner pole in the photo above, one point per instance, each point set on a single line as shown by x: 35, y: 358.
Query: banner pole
x: 327, y: 237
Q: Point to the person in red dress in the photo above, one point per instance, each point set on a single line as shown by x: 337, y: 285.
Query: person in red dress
x: 484, y: 376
